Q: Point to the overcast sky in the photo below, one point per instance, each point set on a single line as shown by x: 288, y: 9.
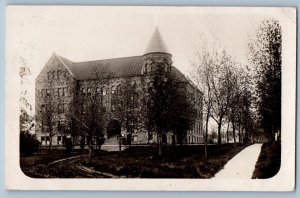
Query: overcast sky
x: 94, y: 33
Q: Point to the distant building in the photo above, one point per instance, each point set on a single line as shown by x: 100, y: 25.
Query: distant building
x: 65, y: 79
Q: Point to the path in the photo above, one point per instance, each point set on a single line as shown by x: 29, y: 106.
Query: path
x: 242, y: 165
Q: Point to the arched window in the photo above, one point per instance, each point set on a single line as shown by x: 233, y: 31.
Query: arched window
x: 146, y: 68
x: 113, y: 90
x: 103, y: 91
x: 149, y: 68
x: 119, y: 89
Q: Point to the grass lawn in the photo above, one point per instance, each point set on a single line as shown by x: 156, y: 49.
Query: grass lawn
x: 140, y: 162
x: 269, y: 160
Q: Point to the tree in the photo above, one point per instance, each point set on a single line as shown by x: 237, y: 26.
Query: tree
x: 222, y: 82
x: 26, y: 118
x: 50, y: 114
x: 125, y: 106
x: 203, y: 75
x: 168, y: 105
x: 265, y: 54
x: 28, y: 143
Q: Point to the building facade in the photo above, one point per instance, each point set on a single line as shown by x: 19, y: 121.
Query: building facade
x: 61, y: 81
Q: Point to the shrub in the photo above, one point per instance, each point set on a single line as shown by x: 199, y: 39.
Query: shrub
x: 28, y: 143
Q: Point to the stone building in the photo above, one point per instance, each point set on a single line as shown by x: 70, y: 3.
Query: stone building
x: 62, y: 80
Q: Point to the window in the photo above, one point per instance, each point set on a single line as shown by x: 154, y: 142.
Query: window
x: 43, y: 107
x: 43, y: 93
x: 119, y: 89
x: 65, y: 91
x: 65, y: 107
x: 146, y: 70
x: 52, y: 74
x: 60, y: 108
x: 113, y: 90
x: 47, y: 92
x: 98, y: 90
x: 103, y: 91
x: 89, y: 91
x: 60, y: 92
x: 149, y: 68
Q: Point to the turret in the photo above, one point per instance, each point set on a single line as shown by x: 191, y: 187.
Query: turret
x: 156, y: 54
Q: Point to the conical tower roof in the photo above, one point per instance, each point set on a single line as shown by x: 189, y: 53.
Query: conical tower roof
x: 156, y: 44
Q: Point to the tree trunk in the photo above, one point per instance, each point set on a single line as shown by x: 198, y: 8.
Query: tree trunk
x: 206, y: 133
x: 120, y: 144
x: 90, y: 150
x: 233, y: 133
x: 219, y: 133
x: 240, y: 133
x: 50, y: 141
x: 227, y: 133
x: 159, y: 144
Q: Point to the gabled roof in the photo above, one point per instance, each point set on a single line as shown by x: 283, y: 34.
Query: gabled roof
x: 107, y: 68
x: 110, y: 68
x: 156, y: 44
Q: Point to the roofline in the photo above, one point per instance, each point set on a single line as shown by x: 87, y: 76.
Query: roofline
x: 109, y: 59
x: 64, y: 64
x: 157, y: 53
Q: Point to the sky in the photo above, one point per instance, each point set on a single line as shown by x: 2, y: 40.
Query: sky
x: 94, y: 33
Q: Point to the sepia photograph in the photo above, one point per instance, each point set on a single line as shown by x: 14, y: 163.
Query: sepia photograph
x: 127, y: 94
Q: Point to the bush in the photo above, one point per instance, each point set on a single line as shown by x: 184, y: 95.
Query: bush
x: 28, y: 143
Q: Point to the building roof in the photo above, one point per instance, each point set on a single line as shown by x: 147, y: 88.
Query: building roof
x: 111, y: 68
x: 156, y: 44
x: 107, y: 68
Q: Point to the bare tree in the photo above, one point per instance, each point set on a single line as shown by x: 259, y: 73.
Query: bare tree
x: 50, y: 113
x: 203, y: 75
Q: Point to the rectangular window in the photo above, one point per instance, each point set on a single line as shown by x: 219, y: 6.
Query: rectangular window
x: 65, y: 91
x: 113, y: 90
x: 65, y: 107
x: 98, y: 90
x: 60, y: 92
x: 60, y: 108
x: 47, y: 92
x: 89, y: 91
x: 103, y: 91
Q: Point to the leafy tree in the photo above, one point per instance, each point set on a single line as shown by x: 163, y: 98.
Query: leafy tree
x: 265, y: 54
x: 203, y: 75
x: 169, y: 108
x: 92, y: 116
x: 50, y: 114
x: 125, y: 106
x: 28, y: 143
x: 222, y: 82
